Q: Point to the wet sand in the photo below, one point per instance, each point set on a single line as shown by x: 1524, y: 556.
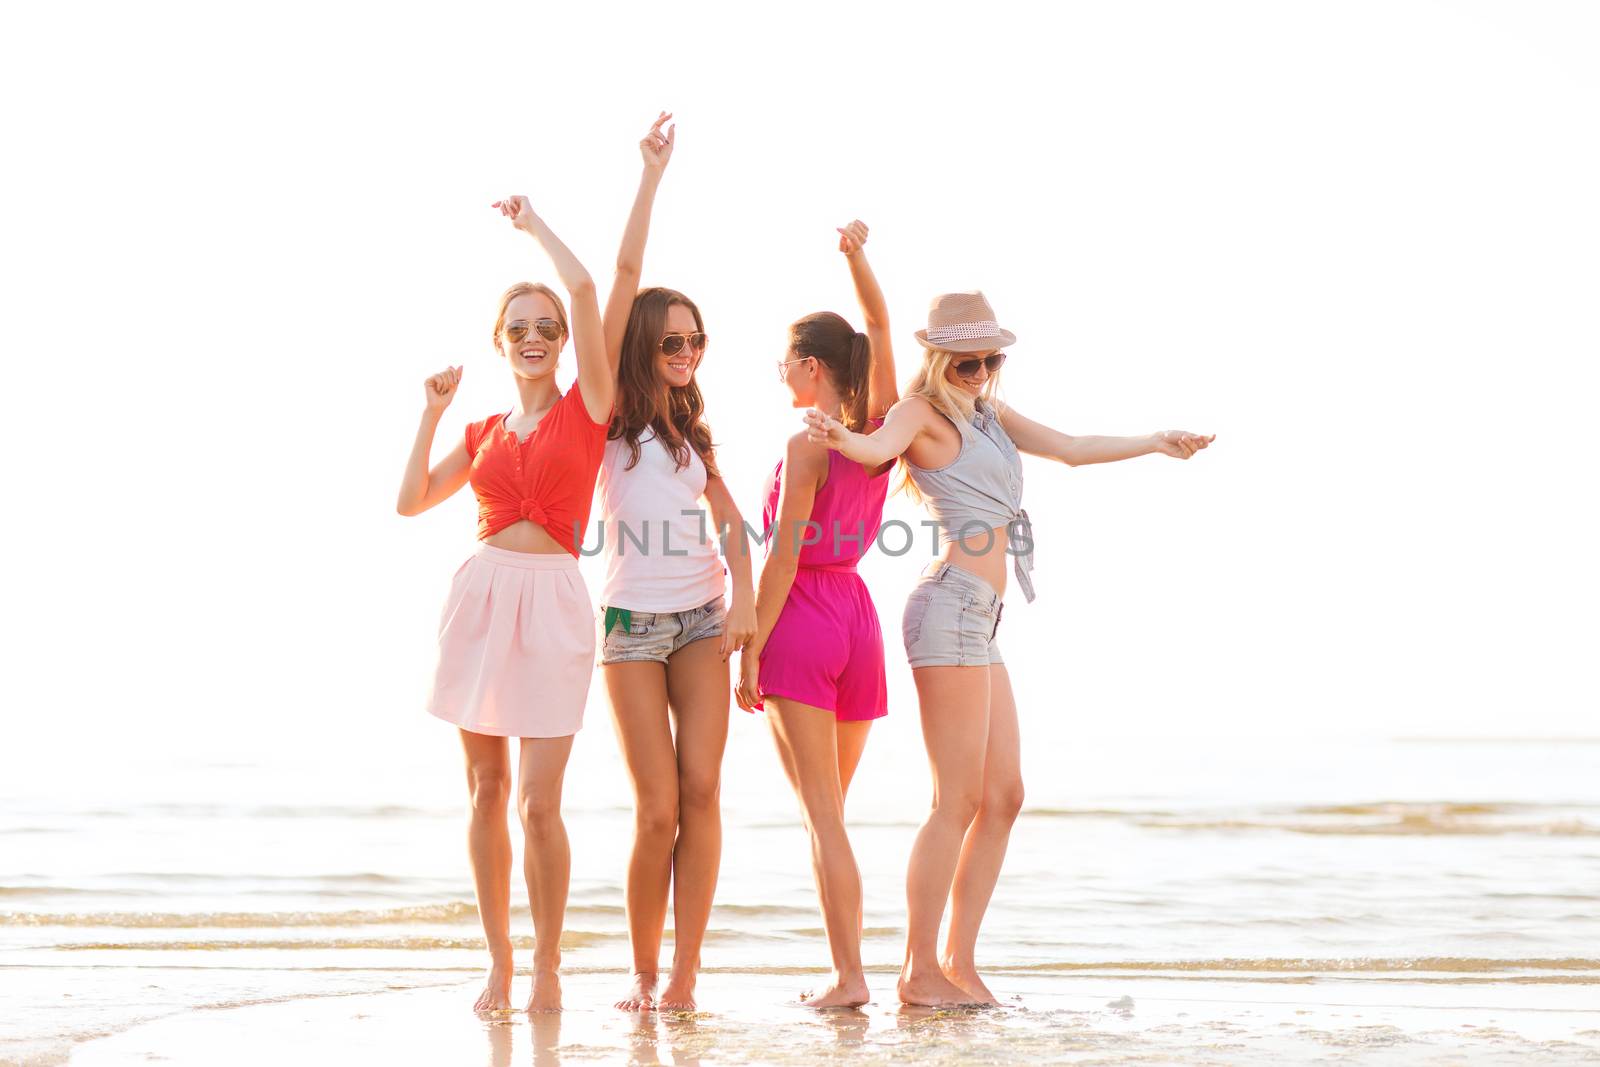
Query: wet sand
x: 753, y: 1018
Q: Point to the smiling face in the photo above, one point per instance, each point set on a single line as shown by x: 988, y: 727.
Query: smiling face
x: 677, y: 369
x: 534, y: 356
x: 973, y: 386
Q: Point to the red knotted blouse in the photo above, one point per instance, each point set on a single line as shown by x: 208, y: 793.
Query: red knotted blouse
x: 547, y: 478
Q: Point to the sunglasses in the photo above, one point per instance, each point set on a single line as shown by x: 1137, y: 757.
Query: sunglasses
x: 671, y: 344
x: 967, y: 368
x: 549, y: 329
x: 785, y: 364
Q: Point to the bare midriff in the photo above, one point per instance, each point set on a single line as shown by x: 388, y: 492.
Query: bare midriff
x: 525, y: 536
x: 981, y: 554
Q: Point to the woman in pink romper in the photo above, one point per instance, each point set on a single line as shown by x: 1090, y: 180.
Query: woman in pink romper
x: 816, y: 663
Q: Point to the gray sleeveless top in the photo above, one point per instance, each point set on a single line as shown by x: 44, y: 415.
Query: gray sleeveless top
x: 981, y: 489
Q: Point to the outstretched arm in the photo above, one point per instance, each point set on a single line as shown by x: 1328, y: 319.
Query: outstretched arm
x: 421, y: 488
x: 882, y: 390
x: 656, y: 148
x: 595, y: 380
x: 804, y: 467
x: 1036, y: 439
x: 905, y: 420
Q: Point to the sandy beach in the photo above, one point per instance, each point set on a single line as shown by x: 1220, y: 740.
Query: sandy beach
x: 1371, y: 902
x: 1089, y: 1019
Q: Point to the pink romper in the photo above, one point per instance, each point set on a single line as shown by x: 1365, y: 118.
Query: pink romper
x: 826, y: 649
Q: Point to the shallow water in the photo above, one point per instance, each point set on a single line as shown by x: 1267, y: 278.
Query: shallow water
x: 1374, y: 872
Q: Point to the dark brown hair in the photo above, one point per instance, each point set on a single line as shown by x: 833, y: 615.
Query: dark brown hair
x: 845, y: 354
x: 677, y: 413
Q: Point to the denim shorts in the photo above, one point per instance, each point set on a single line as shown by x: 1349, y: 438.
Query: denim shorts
x: 655, y: 635
x: 951, y: 619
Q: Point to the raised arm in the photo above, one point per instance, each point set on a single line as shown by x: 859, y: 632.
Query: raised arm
x: 1036, y: 439
x: 421, y: 488
x: 740, y: 625
x: 595, y: 378
x: 905, y: 420
x: 804, y: 467
x: 656, y: 148
x: 882, y: 389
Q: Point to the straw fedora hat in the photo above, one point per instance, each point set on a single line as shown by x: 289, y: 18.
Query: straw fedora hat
x: 963, y: 322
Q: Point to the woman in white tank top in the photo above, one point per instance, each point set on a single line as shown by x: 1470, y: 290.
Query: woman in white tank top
x: 666, y: 633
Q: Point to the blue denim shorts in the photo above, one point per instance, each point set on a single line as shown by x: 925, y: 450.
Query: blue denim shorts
x: 951, y: 619
x: 656, y: 635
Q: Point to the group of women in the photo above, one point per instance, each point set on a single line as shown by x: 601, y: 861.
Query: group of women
x: 518, y: 644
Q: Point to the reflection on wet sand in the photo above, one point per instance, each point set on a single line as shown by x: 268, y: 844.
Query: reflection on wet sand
x: 545, y: 1028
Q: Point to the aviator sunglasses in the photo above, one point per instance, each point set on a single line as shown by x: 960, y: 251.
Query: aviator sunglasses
x: 549, y: 329
x: 671, y: 344
x: 968, y: 367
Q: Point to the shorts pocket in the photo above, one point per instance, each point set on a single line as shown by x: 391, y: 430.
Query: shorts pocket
x: 639, y: 623
x: 977, y: 625
x: 914, y: 618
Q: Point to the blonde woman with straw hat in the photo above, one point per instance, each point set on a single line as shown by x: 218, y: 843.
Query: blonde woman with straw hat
x: 960, y: 451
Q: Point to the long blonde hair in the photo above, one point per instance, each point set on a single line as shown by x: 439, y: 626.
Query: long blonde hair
x: 955, y: 404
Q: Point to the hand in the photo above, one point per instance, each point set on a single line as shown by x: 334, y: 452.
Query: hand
x: 656, y: 147
x: 738, y: 628
x: 852, y: 237
x: 748, y: 690
x: 518, y: 210
x: 441, y: 389
x: 824, y: 429
x: 1180, y: 444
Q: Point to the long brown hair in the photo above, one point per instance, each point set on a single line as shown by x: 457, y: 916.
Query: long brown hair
x: 845, y: 354
x: 676, y: 414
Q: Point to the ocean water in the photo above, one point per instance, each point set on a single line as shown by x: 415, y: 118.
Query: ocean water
x: 1448, y: 876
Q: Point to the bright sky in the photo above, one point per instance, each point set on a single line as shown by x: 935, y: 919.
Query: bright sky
x: 1356, y: 241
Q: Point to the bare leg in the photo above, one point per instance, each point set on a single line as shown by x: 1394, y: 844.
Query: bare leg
x: 546, y: 860
x: 955, y: 728
x: 808, y: 747
x: 984, y: 849
x: 638, y: 694
x: 699, y: 692
x: 489, y: 846
x: 851, y: 739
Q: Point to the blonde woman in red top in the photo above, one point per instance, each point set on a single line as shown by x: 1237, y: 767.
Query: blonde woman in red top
x: 516, y: 640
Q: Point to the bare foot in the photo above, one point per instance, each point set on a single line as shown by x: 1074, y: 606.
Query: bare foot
x: 546, y: 992
x: 966, y: 977
x: 843, y: 993
x: 931, y: 989
x: 641, y: 994
x: 496, y: 995
x: 679, y: 994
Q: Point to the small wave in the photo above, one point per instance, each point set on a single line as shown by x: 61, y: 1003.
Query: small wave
x: 1096, y: 813
x: 60, y: 891
x: 451, y: 912
x: 765, y: 910
x: 358, y: 878
x: 570, y: 939
x: 1359, y: 965
x: 1398, y: 819
x: 271, y: 811
x: 1439, y: 808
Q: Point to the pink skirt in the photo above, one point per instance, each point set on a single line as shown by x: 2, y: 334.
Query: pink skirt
x: 516, y: 646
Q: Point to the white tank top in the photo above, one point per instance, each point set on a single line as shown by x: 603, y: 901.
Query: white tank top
x: 657, y: 557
